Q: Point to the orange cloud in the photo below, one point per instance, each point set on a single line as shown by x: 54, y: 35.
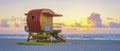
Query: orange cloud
x: 89, y: 25
x: 92, y: 23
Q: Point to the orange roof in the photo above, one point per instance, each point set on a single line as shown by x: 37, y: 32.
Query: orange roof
x: 50, y: 14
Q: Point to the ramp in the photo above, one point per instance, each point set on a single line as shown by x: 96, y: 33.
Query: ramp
x: 58, y: 37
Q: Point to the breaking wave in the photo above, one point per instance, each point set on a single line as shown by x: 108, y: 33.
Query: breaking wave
x: 70, y: 36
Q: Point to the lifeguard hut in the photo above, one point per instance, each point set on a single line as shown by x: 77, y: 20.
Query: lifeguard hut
x: 40, y: 25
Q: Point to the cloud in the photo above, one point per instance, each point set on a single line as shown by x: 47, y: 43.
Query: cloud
x: 76, y: 25
x: 114, y: 25
x: 63, y: 24
x: 17, y: 25
x: 13, y: 18
x: 110, y: 18
x: 11, y: 32
x: 10, y: 24
x: 95, y: 20
x: 4, y: 23
x: 93, y: 31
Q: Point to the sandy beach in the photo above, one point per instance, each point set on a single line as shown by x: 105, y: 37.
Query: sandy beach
x: 70, y: 45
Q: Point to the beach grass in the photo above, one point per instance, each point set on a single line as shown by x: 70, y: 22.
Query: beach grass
x: 38, y: 43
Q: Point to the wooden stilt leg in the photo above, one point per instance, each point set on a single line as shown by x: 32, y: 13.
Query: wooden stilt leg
x: 49, y: 37
x: 28, y: 37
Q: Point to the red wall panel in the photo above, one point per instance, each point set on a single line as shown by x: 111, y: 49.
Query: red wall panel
x: 34, y: 24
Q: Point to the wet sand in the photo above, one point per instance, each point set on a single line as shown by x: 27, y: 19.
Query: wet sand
x: 70, y: 45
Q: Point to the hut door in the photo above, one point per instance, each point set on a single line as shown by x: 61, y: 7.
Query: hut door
x: 47, y: 27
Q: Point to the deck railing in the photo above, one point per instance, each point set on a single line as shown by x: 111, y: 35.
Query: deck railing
x: 57, y: 27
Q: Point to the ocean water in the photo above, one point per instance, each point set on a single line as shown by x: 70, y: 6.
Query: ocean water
x: 70, y: 36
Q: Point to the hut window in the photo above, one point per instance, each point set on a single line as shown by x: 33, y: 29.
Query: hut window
x: 32, y: 17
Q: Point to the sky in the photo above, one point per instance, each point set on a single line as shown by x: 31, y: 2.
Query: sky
x: 79, y: 16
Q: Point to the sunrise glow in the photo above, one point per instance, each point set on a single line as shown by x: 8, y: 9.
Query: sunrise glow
x: 80, y: 16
